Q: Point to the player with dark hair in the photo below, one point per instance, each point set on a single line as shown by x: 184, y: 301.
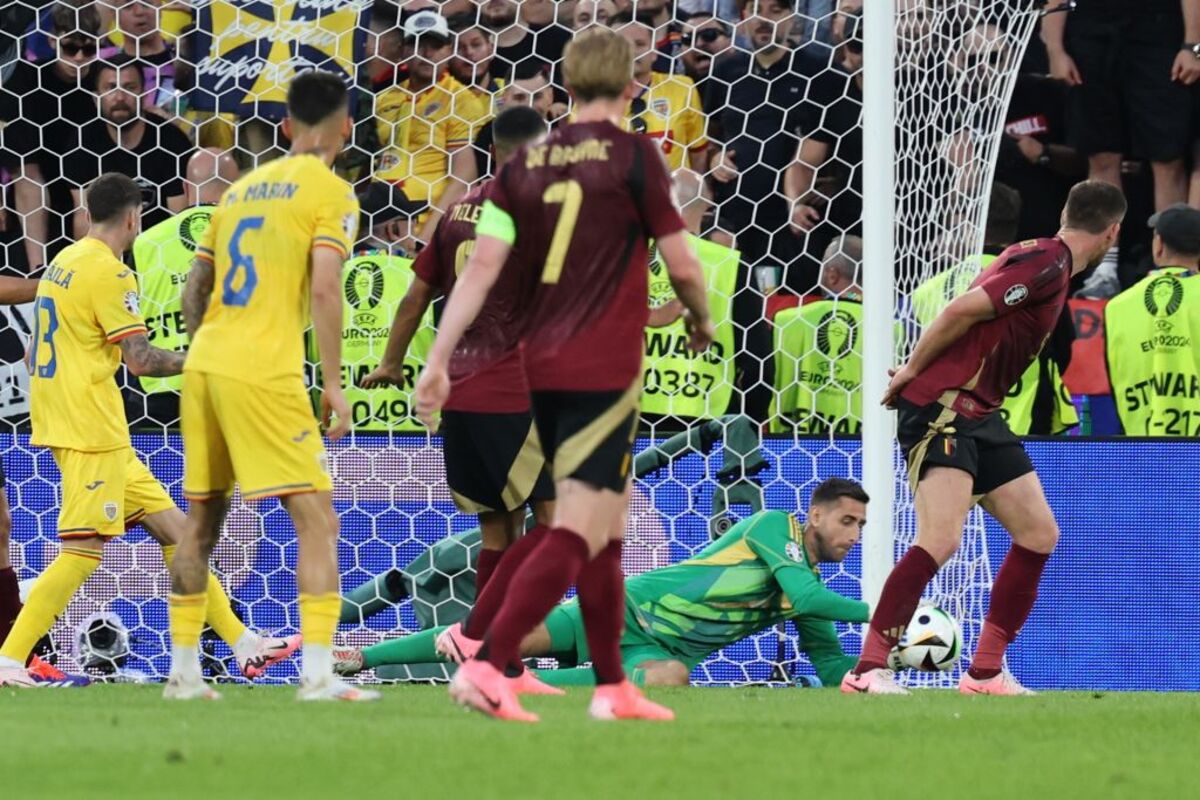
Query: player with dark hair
x: 959, y: 449
x: 269, y: 262
x: 580, y: 209
x: 87, y: 320
x: 494, y: 462
x: 761, y: 572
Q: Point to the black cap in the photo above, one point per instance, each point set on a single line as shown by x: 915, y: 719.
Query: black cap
x: 383, y: 202
x: 1179, y: 228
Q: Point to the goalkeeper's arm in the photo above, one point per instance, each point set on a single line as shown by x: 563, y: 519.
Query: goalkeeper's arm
x: 769, y: 540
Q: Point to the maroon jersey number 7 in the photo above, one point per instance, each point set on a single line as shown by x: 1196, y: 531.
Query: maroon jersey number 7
x: 585, y: 203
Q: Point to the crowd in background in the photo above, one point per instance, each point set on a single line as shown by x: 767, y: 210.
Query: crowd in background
x: 760, y: 98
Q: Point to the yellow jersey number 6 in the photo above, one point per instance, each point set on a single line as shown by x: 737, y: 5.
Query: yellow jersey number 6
x: 240, y: 263
x: 570, y: 194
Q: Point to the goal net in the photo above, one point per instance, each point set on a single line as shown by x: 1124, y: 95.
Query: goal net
x: 218, y: 85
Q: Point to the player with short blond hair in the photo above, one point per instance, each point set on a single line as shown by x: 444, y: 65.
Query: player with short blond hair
x: 87, y: 320
x: 577, y: 210
x: 269, y: 263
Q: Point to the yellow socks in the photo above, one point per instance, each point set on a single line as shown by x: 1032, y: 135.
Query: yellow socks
x: 319, y: 615
x: 187, y: 619
x: 51, y: 593
x: 220, y: 614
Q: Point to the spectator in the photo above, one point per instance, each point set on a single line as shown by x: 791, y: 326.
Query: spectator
x: 524, y: 30
x: 1150, y: 333
x: 151, y: 151
x: 388, y: 221
x: 592, y: 12
x: 704, y: 38
x: 426, y: 123
x: 43, y: 106
x: 1129, y: 66
x: 667, y: 33
x: 726, y: 10
x: 665, y: 107
x: 824, y: 183
x: 758, y: 94
x: 1035, y: 159
x: 841, y: 268
x: 472, y: 60
x: 142, y: 39
x: 529, y: 85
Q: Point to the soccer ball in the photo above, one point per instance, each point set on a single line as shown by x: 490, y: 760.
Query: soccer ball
x: 932, y: 642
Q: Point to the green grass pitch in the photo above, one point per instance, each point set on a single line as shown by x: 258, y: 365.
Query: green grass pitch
x: 124, y: 741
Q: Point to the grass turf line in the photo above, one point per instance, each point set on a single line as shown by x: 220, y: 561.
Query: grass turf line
x: 124, y: 741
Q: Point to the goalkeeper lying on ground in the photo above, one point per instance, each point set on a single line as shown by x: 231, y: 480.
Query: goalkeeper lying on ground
x: 761, y: 572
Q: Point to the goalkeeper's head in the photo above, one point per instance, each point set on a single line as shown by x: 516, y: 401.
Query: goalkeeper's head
x: 837, y: 512
x: 318, y: 119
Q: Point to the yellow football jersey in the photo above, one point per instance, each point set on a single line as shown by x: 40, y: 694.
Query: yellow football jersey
x: 87, y: 302
x: 259, y: 240
x: 419, y: 132
x: 669, y: 110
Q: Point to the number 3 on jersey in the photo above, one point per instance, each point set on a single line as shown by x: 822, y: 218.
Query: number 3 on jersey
x: 242, y: 278
x: 570, y: 194
x: 45, y: 336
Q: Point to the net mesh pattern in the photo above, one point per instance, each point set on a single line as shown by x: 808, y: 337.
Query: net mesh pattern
x: 782, y: 195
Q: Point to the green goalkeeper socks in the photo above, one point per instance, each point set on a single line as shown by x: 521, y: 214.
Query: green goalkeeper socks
x: 415, y: 649
x: 582, y: 676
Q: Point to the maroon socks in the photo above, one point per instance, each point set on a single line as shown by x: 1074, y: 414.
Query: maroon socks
x: 534, y: 590
x: 489, y: 593
x: 899, y: 599
x: 1013, y: 595
x: 601, y: 587
x: 485, y: 565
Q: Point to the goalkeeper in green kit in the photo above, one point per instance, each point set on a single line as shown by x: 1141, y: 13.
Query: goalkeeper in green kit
x: 763, y: 571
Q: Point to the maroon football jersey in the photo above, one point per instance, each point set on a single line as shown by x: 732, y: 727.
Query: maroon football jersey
x: 486, y: 372
x: 584, y: 203
x: 1027, y: 284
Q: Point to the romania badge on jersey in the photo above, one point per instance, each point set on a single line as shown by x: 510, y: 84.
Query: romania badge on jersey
x: 110, y: 512
x: 793, y: 552
x: 131, y: 303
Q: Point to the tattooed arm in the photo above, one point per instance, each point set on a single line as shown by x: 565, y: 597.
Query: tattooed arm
x: 143, y: 358
x: 196, y: 292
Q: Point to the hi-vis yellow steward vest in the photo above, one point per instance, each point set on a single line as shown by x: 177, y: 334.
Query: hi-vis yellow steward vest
x: 372, y: 287
x: 818, y: 368
x: 936, y: 293
x: 162, y: 257
x: 1152, y: 345
x: 676, y: 381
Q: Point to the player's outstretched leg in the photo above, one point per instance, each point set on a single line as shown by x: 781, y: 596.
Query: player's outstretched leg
x: 1020, y: 506
x: 320, y: 603
x: 943, y: 499
x: 254, y: 653
x: 190, y: 597
x: 76, y: 561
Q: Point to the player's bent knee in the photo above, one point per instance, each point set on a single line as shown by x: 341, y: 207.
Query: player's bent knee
x: 665, y: 673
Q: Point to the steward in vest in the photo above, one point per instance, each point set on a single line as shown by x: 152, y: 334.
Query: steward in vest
x: 1152, y: 334
x: 1039, y: 402
x: 162, y: 256
x: 374, y: 282
x: 680, y: 386
x: 818, y: 352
